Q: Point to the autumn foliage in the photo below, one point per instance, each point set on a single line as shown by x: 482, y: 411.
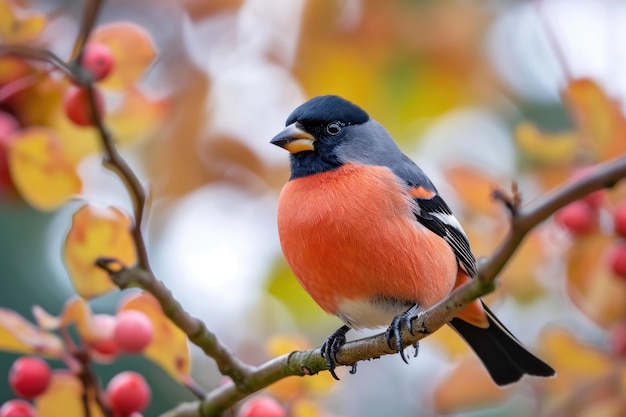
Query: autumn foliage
x: 62, y: 108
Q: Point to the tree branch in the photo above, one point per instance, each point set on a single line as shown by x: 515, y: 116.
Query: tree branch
x: 310, y: 362
x: 247, y: 379
x: 194, y: 328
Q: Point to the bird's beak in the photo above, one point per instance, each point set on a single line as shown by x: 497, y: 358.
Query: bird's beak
x: 294, y: 139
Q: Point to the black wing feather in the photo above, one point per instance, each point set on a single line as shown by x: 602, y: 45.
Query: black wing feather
x: 427, y: 211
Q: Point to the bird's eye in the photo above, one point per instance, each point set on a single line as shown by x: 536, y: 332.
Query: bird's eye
x: 333, y: 128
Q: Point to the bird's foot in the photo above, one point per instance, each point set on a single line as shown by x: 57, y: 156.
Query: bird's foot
x: 394, y: 332
x: 331, y: 346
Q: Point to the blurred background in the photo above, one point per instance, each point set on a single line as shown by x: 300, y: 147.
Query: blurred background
x: 480, y: 93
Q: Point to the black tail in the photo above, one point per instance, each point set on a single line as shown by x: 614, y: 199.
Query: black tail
x: 502, y: 354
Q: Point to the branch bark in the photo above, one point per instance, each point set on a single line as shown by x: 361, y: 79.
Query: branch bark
x: 310, y: 362
x: 247, y: 379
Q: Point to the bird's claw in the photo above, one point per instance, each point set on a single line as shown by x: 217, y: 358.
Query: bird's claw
x: 394, y: 332
x: 331, y: 346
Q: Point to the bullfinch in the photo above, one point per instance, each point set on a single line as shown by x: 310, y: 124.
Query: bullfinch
x: 369, y: 238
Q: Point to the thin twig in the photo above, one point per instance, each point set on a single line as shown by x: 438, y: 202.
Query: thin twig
x: 553, y: 41
x: 91, y: 385
x: 35, y: 54
x: 194, y: 328
x: 117, y: 164
x: 310, y: 362
x: 90, y: 14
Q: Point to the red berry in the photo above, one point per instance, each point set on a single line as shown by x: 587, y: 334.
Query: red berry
x: 128, y: 392
x: 17, y: 408
x: 618, y: 339
x: 578, y: 218
x: 617, y: 260
x: 98, y: 59
x: 29, y: 376
x: 105, y: 327
x: 262, y: 406
x: 77, y: 107
x: 619, y: 220
x: 8, y: 125
x: 133, y: 331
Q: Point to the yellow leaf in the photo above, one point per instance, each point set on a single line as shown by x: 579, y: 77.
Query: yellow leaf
x: 519, y: 277
x: 305, y: 407
x: 137, y: 117
x: 19, y: 29
x: 569, y: 357
x: 96, y: 232
x: 468, y: 386
x: 590, y: 285
x: 575, y: 363
x: 449, y: 340
x: 63, y: 398
x: 132, y: 49
x: 77, y: 141
x: 19, y: 335
x: 547, y: 148
x: 39, y: 169
x: 169, y: 348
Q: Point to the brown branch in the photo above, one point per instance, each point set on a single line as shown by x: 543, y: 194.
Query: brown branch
x: 90, y: 14
x: 91, y: 385
x: 248, y: 379
x: 194, y: 328
x: 310, y: 362
x: 118, y: 165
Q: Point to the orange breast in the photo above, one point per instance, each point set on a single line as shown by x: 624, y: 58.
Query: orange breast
x: 350, y: 234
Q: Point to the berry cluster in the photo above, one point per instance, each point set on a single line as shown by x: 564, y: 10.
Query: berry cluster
x: 130, y: 331
x: 98, y: 60
x: 581, y: 218
x: 127, y: 394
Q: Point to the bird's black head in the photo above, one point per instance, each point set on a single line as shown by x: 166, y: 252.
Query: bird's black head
x: 313, y: 131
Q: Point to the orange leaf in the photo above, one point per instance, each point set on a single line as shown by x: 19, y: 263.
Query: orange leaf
x: 132, y: 49
x: 467, y: 387
x: 169, y: 348
x: 599, y: 116
x: 96, y: 232
x: 19, y: 335
x: 474, y: 188
x: 63, y: 398
x: 590, y: 285
x: 12, y: 68
x: 19, y: 29
x: 39, y: 169
x: 75, y: 311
